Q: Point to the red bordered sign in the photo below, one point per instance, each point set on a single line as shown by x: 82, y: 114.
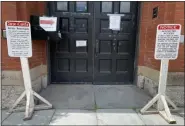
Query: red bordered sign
x: 167, y: 41
x: 18, y: 38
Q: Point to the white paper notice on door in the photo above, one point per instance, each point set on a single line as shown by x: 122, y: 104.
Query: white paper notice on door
x: 114, y: 22
x: 81, y: 43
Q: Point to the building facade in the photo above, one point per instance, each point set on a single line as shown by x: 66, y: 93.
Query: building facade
x: 106, y: 57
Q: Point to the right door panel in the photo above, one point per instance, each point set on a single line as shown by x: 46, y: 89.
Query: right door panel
x: 114, y: 50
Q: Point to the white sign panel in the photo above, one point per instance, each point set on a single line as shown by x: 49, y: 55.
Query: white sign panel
x: 81, y: 43
x: 48, y: 23
x: 18, y: 38
x: 167, y: 41
x: 114, y: 22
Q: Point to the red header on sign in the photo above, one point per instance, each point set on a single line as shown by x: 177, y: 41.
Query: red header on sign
x: 47, y: 22
x: 22, y: 24
x: 168, y: 27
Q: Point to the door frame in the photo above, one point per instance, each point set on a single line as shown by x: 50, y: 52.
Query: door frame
x: 137, y: 44
x: 135, y: 77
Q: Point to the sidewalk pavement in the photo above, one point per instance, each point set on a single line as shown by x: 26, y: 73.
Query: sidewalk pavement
x: 88, y: 117
x: 92, y: 105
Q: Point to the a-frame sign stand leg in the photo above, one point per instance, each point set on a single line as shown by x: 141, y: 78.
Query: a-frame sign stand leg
x: 29, y: 93
x: 161, y: 98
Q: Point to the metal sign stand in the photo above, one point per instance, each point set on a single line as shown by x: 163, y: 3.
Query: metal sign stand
x: 161, y: 98
x: 29, y: 93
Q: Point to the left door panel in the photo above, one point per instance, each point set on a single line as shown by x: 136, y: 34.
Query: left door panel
x: 71, y: 57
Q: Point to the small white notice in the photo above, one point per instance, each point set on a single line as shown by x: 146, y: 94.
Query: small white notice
x: 114, y: 22
x: 48, y: 23
x: 167, y: 41
x: 18, y: 38
x: 81, y: 43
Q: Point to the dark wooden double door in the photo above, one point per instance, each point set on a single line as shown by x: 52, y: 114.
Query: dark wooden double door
x: 89, y: 52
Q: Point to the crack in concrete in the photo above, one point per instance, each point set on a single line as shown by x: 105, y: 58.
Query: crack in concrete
x: 51, y: 117
x: 5, y: 118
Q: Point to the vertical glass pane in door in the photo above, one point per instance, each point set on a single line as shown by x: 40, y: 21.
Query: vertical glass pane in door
x: 106, y: 7
x: 62, y: 6
x: 81, y: 6
x: 125, y: 7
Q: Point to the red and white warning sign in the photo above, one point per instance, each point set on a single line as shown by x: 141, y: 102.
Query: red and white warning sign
x: 18, y: 38
x: 167, y: 41
x: 48, y: 23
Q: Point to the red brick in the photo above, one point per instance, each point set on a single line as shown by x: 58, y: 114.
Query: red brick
x: 180, y: 6
x: 22, y: 11
x: 7, y: 13
x: 169, y: 12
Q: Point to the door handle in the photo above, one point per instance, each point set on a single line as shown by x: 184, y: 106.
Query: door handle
x: 97, y: 47
x: 59, y: 34
x: 114, y: 46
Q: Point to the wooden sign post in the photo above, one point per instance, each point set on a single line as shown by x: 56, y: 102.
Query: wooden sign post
x: 166, y: 48
x: 19, y: 45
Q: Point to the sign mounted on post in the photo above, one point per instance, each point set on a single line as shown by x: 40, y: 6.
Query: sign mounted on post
x: 18, y: 38
x: 166, y: 48
x: 48, y: 23
x: 167, y: 41
x: 19, y: 45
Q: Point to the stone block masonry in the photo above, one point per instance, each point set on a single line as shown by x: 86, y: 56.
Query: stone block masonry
x: 148, y: 79
x: 13, y: 86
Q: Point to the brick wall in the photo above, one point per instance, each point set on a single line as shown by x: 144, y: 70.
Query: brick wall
x: 22, y: 11
x: 169, y: 12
